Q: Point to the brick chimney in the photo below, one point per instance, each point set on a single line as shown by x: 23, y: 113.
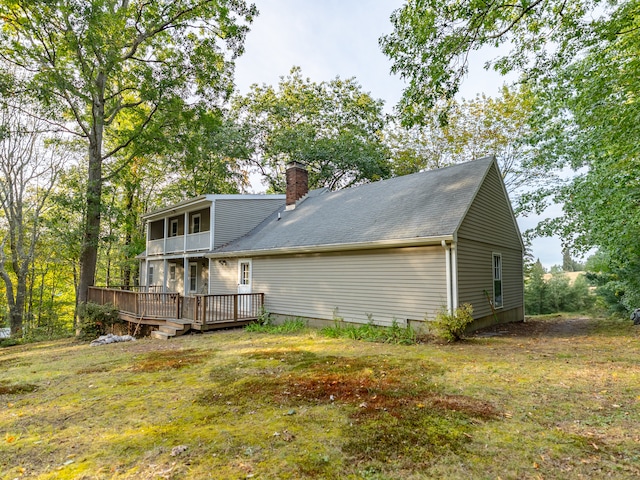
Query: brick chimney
x: 297, y: 183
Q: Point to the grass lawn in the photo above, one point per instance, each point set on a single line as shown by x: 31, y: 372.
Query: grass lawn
x: 553, y: 398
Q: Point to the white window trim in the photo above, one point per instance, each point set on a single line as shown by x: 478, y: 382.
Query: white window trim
x: 173, y: 222
x: 495, y: 255
x: 172, y: 272
x: 195, y: 289
x: 193, y: 221
x: 240, y: 279
x: 150, y: 273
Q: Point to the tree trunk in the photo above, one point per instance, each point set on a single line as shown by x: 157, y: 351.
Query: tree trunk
x: 91, y: 234
x: 129, y: 227
x: 16, y: 314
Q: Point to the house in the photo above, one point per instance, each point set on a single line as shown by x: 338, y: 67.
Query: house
x: 394, y: 250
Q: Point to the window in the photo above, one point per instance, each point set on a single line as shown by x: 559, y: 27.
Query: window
x: 193, y: 277
x: 150, y: 276
x: 172, y: 273
x: 195, y: 223
x: 497, y: 280
x: 245, y: 273
x: 173, y: 227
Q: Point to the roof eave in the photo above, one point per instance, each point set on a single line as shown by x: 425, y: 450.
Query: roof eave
x: 336, y: 247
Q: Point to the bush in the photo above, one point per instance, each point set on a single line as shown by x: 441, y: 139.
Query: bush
x: 451, y: 326
x: 96, y: 320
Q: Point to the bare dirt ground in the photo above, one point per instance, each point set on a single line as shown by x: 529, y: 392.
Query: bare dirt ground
x: 554, y: 327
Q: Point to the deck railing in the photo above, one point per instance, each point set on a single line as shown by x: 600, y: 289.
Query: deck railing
x: 210, y: 309
x: 156, y: 305
x: 201, y: 309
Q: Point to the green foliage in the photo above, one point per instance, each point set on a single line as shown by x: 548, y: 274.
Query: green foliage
x: 11, y: 342
x: 580, y: 61
x: 332, y: 127
x: 452, y: 325
x: 134, y: 68
x: 557, y: 294
x: 476, y: 128
x: 290, y: 325
x: 370, y: 332
x: 96, y: 320
x: 569, y: 264
x: 614, y: 295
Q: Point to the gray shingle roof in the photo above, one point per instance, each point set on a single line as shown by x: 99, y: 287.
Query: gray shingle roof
x: 421, y: 205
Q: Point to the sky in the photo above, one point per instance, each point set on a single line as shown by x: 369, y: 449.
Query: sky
x: 331, y: 38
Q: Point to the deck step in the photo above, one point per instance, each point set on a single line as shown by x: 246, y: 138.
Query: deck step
x: 160, y: 335
x: 179, y: 326
x: 169, y: 330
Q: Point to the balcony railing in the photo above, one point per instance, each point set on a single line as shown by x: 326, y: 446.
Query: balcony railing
x: 198, y: 241
x: 195, y: 241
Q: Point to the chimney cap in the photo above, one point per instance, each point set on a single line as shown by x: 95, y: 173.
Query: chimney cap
x: 295, y: 163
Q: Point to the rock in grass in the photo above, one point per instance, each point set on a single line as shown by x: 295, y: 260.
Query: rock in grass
x: 111, y: 338
x: 175, y: 451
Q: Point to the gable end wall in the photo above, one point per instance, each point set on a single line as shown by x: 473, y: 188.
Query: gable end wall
x: 236, y: 218
x: 489, y: 227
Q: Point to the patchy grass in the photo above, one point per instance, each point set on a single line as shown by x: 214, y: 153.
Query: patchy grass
x: 290, y: 325
x: 550, y: 398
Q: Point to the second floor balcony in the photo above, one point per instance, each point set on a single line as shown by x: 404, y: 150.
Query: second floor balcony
x: 179, y: 243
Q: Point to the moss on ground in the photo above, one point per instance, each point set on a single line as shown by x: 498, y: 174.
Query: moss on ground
x: 521, y: 404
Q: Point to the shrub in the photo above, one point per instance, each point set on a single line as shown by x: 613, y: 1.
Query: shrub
x: 452, y: 325
x: 96, y: 320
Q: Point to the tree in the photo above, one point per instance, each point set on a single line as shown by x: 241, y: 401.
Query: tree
x: 28, y: 170
x: 475, y: 128
x: 208, y: 154
x: 97, y: 63
x: 581, y: 61
x: 433, y: 40
x: 332, y: 127
x: 569, y: 264
x: 535, y: 293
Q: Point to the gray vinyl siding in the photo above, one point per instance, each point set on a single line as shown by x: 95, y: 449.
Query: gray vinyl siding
x: 392, y: 283
x: 489, y: 227
x: 158, y: 273
x: 490, y: 219
x: 475, y: 275
x: 224, y: 278
x: 235, y: 218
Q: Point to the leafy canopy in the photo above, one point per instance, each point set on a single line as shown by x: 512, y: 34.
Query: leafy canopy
x: 333, y: 127
x: 582, y: 61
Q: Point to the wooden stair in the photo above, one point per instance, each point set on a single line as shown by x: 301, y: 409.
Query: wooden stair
x: 172, y: 328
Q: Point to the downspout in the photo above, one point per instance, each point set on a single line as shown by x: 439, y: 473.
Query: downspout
x: 454, y: 275
x: 447, y: 260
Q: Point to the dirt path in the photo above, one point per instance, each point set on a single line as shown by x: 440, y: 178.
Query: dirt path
x: 556, y: 327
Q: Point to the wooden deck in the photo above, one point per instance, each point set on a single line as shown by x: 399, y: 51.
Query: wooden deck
x: 174, y: 314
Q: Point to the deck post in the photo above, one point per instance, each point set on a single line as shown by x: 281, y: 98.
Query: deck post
x: 204, y: 310
x: 235, y: 307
